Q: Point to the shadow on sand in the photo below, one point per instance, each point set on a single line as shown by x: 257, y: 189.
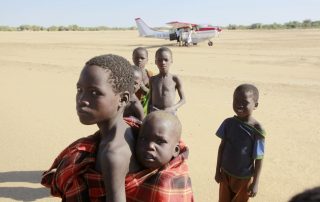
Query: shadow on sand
x: 22, y: 193
x: 154, y: 46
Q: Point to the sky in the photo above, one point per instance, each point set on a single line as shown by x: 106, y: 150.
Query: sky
x: 121, y: 13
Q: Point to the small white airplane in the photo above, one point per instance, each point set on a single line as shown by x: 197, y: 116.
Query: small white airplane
x: 185, y: 33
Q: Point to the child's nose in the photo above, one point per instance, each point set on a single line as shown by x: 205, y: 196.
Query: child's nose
x: 81, y: 100
x: 83, y: 103
x: 150, y: 146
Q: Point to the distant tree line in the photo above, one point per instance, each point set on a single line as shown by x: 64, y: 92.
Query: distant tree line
x: 288, y: 25
x: 61, y: 28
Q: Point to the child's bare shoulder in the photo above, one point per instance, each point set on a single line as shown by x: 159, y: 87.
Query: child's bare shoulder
x: 121, y: 153
x: 175, y: 77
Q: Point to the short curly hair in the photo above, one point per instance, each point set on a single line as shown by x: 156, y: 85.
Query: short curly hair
x: 249, y: 88
x: 121, y: 72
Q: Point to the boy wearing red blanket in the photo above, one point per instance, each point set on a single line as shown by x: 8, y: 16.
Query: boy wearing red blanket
x: 73, y: 177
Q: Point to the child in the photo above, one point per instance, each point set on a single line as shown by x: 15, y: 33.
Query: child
x: 163, y: 86
x: 105, y: 158
x: 140, y: 59
x: 134, y: 107
x: 241, y: 149
x: 159, y: 149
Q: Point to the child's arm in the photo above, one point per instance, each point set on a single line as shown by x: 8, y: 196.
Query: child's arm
x: 258, y: 156
x: 218, y: 176
x: 181, y: 95
x: 138, y: 110
x: 114, y: 172
x: 253, y: 187
x: 150, y: 92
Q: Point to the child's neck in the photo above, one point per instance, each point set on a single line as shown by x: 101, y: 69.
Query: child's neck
x: 163, y: 74
x: 246, y: 119
x: 108, y: 129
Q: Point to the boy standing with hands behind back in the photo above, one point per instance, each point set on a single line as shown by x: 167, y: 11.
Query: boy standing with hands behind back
x: 241, y: 149
x: 163, y: 86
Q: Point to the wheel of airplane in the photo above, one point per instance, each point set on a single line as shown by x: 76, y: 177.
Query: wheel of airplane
x: 210, y: 43
x: 195, y: 44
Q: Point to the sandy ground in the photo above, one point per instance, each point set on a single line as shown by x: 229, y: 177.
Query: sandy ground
x: 38, y: 77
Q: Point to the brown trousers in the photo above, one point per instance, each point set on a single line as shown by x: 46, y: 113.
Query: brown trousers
x: 233, y: 189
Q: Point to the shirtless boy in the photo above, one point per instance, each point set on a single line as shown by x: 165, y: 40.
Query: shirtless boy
x: 103, y: 90
x: 164, y: 85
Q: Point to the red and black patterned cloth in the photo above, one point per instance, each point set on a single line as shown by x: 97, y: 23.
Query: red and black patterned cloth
x: 73, y: 178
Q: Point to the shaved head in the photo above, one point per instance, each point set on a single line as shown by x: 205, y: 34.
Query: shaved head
x: 158, y: 140
x: 171, y: 121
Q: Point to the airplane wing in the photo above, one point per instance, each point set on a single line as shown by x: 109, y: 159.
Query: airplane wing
x: 176, y: 24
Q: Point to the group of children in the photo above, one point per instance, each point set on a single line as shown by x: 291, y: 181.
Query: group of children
x: 130, y: 160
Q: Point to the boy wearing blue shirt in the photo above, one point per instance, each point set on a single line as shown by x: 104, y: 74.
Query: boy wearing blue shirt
x: 241, y: 149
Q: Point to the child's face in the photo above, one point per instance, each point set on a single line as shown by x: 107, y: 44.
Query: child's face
x: 243, y: 103
x: 157, y: 143
x: 163, y: 61
x: 137, y: 80
x: 95, y: 100
x: 140, y: 58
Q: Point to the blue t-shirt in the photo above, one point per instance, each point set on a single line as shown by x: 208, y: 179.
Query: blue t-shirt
x: 243, y: 144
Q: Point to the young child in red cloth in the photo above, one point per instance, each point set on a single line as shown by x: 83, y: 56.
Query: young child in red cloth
x: 159, y: 148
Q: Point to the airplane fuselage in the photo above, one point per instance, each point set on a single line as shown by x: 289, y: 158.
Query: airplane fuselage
x: 188, y: 36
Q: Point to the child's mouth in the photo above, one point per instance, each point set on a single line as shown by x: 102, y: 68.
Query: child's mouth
x: 149, y: 157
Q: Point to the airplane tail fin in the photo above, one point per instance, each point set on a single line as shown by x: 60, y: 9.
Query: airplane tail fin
x: 144, y: 29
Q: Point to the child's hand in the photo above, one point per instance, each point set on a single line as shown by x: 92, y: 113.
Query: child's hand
x: 218, y: 177
x: 252, y: 189
x: 142, y: 86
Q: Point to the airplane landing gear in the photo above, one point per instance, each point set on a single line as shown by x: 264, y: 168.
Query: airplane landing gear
x: 210, y: 43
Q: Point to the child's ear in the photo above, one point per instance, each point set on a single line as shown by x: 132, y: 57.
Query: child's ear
x: 124, y: 98
x: 176, y: 151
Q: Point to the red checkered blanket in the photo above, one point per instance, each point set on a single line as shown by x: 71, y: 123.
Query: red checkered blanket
x: 73, y: 178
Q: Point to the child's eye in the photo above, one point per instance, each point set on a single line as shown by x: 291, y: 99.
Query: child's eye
x: 160, y: 141
x: 79, y: 90
x: 95, y: 93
